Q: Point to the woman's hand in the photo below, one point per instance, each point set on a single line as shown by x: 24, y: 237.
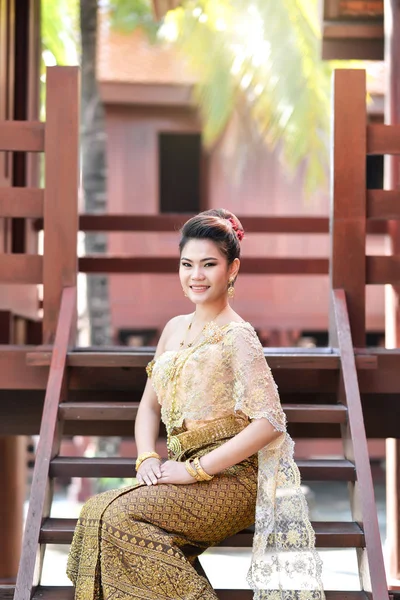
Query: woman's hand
x: 175, y: 472
x: 149, y: 471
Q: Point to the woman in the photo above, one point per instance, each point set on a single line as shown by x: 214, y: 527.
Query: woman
x: 229, y: 454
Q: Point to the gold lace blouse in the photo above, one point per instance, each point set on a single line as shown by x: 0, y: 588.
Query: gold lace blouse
x: 225, y: 373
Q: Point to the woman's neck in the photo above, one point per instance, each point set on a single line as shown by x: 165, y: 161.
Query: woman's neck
x: 209, y: 312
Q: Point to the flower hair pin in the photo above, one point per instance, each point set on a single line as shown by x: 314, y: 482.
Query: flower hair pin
x: 239, y: 232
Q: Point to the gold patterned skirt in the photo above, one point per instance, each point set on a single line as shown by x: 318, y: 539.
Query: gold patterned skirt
x: 141, y: 542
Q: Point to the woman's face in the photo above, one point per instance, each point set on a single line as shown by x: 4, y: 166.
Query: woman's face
x: 204, y: 271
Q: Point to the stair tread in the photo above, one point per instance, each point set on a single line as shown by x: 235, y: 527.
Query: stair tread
x: 311, y: 470
x: 67, y: 593
x: 121, y: 411
x: 291, y: 359
x: 346, y: 534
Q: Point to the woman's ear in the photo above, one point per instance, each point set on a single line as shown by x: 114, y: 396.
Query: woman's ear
x: 234, y: 269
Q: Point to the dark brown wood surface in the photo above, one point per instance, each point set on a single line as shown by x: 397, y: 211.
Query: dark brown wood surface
x: 383, y: 204
x: 145, y: 264
x: 65, y: 466
x: 329, y: 534
x: 348, y: 206
x: 383, y: 269
x: 61, y: 191
x: 276, y: 360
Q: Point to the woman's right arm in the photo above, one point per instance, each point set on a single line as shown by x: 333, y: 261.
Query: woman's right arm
x: 147, y: 423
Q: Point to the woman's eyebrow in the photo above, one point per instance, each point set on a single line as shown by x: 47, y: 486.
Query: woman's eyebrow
x: 202, y: 260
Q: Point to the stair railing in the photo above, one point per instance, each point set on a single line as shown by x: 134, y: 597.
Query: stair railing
x: 362, y: 497
x: 31, y: 563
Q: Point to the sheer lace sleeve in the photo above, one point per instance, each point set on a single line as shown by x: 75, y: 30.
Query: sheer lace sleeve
x: 254, y: 390
x: 285, y: 564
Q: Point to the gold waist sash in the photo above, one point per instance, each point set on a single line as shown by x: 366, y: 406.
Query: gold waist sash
x: 185, y: 443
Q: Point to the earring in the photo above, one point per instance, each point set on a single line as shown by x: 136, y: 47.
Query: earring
x: 231, y: 289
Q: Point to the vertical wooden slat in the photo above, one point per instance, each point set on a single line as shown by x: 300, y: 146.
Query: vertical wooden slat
x: 348, y: 199
x: 61, y: 191
x: 392, y: 182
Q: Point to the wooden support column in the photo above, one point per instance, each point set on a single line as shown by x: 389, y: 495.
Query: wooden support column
x: 60, y: 261
x: 392, y: 182
x: 12, y: 495
x: 348, y: 199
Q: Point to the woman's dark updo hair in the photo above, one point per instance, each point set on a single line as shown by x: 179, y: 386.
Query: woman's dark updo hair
x: 219, y: 225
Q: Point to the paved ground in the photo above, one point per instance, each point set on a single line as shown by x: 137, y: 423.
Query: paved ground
x: 228, y: 567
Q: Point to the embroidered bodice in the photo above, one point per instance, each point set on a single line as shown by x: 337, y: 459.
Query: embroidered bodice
x: 226, y: 372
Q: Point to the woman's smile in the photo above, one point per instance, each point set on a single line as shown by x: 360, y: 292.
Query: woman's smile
x: 199, y: 289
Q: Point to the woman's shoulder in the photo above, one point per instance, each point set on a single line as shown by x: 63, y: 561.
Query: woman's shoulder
x: 240, y: 331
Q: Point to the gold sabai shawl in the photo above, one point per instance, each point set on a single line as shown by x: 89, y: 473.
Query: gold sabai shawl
x: 226, y: 372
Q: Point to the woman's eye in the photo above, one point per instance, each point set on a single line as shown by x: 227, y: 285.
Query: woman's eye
x: 185, y: 264
x: 210, y: 265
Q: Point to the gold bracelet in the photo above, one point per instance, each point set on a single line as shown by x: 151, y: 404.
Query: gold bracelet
x: 144, y: 456
x: 204, y: 476
x: 191, y: 470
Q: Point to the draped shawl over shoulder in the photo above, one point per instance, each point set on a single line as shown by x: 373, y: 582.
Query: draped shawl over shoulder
x: 225, y: 373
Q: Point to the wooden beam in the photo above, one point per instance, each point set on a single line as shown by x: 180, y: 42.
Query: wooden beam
x: 19, y: 202
x: 348, y: 201
x: 383, y: 204
x: 276, y: 360
x: 363, y: 505
x: 61, y: 191
x: 49, y: 442
x: 21, y: 268
x: 147, y: 94
x: 145, y: 264
x: 22, y: 136
x: 383, y: 139
x: 383, y: 269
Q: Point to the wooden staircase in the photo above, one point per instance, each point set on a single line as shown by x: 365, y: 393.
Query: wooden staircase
x: 96, y: 392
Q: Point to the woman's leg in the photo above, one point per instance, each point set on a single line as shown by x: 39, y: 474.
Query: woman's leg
x: 150, y: 536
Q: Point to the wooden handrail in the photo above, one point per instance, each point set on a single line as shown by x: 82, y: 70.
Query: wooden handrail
x: 170, y: 222
x: 30, y: 566
x: 356, y: 449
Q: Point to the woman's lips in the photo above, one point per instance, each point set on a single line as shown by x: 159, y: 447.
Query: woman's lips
x: 198, y: 289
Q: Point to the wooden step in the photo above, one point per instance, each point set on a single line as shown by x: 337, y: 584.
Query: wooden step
x: 328, y: 534
x: 66, y: 466
x: 291, y: 359
x: 67, y: 593
x: 7, y: 592
x: 126, y: 411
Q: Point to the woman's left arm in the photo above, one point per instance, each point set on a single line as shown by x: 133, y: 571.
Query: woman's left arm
x: 255, y: 436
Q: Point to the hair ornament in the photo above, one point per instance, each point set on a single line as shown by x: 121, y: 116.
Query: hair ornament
x: 239, y: 232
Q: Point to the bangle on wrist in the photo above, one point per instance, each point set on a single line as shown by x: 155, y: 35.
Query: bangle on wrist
x: 200, y: 471
x: 144, y: 456
x: 191, y: 470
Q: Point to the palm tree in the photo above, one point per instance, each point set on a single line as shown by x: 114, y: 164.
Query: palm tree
x: 260, y: 58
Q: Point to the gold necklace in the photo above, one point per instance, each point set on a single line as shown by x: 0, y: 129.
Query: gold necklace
x: 175, y: 413
x: 190, y: 344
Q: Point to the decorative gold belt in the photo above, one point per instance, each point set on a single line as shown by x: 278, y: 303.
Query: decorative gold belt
x: 209, y: 433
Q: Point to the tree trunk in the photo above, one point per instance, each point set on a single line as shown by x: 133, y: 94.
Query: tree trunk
x: 94, y: 173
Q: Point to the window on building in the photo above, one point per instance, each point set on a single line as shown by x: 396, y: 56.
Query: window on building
x: 181, y: 173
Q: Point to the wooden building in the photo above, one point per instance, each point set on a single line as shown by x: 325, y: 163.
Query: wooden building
x: 157, y: 165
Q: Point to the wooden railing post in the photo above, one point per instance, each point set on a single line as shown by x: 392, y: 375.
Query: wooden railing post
x: 61, y: 191
x: 348, y: 199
